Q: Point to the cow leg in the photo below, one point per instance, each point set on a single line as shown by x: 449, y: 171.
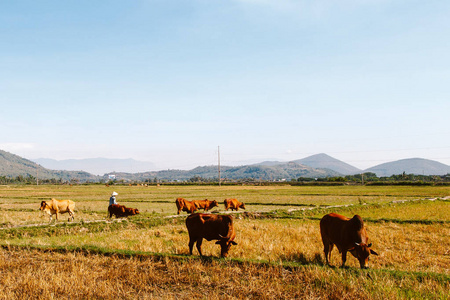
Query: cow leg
x: 70, y: 215
x: 199, y: 246
x: 327, y: 247
x: 344, y: 258
x: 191, y: 245
x: 329, y: 251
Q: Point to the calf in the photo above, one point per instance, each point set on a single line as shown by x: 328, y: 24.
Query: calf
x: 205, y: 204
x: 234, y: 204
x: 211, y: 227
x: 185, y: 205
x: 121, y: 211
x: 348, y: 235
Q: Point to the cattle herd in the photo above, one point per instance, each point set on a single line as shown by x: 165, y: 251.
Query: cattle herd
x: 348, y: 235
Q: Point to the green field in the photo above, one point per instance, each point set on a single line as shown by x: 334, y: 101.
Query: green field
x: 279, y: 251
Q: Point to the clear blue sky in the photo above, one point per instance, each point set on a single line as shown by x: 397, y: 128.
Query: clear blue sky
x: 364, y: 81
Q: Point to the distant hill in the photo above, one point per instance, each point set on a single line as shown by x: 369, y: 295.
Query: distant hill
x: 320, y: 161
x: 323, y: 160
x: 12, y: 165
x: 97, y: 166
x: 269, y: 163
x: 279, y: 171
x: 316, y: 166
x: 417, y: 166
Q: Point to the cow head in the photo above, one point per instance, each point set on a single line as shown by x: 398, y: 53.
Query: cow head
x: 136, y: 211
x: 242, y: 205
x: 43, y: 204
x: 362, y: 251
x: 213, y: 204
x: 225, y: 245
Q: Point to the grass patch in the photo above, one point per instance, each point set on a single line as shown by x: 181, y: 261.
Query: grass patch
x: 279, y: 251
x: 89, y: 273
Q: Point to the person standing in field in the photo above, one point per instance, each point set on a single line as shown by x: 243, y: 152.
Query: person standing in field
x: 112, y: 200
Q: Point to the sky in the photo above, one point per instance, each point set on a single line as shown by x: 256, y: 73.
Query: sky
x: 178, y: 82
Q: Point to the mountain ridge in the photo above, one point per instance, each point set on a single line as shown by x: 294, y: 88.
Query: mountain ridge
x: 418, y: 166
x: 12, y: 165
x: 284, y: 171
x: 97, y: 166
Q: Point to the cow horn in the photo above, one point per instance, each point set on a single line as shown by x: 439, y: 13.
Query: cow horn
x: 358, y: 244
x: 224, y: 237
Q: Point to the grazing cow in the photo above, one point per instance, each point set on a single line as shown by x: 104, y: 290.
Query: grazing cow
x: 185, y: 205
x: 131, y: 211
x: 205, y: 204
x: 234, y: 204
x: 211, y: 227
x: 348, y: 235
x: 53, y: 207
x: 121, y: 211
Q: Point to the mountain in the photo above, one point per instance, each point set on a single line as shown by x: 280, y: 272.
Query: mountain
x: 269, y: 163
x: 12, y: 165
x: 322, y: 161
x: 280, y: 171
x: 98, y: 166
x: 316, y: 166
x: 418, y: 166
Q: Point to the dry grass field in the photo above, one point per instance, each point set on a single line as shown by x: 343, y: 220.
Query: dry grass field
x: 278, y: 256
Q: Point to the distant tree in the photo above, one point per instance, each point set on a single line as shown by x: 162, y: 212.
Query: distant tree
x: 196, y: 179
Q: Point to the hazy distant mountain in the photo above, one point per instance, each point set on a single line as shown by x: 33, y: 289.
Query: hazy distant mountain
x: 269, y: 163
x: 323, y: 160
x: 279, y: 171
x: 316, y: 166
x: 12, y: 165
x: 417, y: 166
x: 320, y: 161
x: 98, y: 166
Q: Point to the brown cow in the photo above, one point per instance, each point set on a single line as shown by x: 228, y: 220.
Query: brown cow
x: 53, y: 207
x: 234, y: 204
x: 121, y: 211
x: 211, y: 227
x: 348, y: 235
x: 205, y: 204
x: 131, y: 211
x: 185, y: 205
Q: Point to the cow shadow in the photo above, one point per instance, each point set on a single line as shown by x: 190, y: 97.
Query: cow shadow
x: 205, y: 259
x: 302, y: 259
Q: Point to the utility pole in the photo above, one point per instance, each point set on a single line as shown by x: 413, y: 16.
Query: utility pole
x: 218, y: 153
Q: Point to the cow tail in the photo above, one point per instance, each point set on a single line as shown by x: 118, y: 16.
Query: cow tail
x: 201, y: 219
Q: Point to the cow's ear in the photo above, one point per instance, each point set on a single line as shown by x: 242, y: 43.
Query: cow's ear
x: 373, y: 252
x: 233, y: 242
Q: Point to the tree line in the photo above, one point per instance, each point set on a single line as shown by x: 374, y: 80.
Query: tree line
x: 367, y: 178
